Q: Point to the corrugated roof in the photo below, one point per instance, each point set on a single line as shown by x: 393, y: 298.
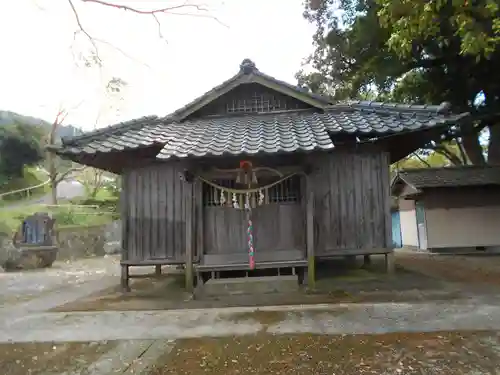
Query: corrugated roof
x: 451, y: 176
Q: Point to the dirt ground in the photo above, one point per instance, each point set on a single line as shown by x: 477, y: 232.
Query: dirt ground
x: 22, y: 286
x: 442, y: 353
x: 480, y: 269
x: 336, y: 283
x: 50, y: 358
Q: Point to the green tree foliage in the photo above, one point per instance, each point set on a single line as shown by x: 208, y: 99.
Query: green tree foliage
x: 474, y: 25
x: 423, y: 52
x: 20, y: 145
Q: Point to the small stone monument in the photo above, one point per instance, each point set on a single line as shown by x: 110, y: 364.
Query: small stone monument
x: 32, y: 246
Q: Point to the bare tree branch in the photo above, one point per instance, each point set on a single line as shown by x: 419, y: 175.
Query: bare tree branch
x: 463, y: 154
x: 91, y: 40
x: 422, y: 160
x: 159, y: 26
x: 443, y: 150
x: 65, y: 174
x: 152, y: 11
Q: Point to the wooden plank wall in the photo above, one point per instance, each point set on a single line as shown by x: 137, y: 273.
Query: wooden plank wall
x: 277, y: 226
x: 352, y: 201
x: 155, y: 217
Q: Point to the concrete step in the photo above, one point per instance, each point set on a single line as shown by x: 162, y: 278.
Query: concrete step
x: 250, y: 285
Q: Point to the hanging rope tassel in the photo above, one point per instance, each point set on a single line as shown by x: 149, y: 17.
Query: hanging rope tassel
x: 251, y: 250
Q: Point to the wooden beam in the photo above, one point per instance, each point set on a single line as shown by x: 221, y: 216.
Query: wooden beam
x: 124, y: 204
x: 386, y: 196
x: 199, y: 220
x: 124, y: 277
x: 311, y: 265
x: 264, y: 172
x: 188, y: 189
x: 389, y: 263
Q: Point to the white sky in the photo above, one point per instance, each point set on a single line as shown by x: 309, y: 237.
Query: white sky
x: 38, y: 73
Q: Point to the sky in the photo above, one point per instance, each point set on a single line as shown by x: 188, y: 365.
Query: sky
x: 40, y: 69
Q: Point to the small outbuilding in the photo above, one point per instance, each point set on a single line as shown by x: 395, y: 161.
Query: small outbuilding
x: 449, y: 209
x: 257, y: 175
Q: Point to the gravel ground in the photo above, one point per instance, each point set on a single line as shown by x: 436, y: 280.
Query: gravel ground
x: 50, y: 358
x: 444, y: 353
x: 481, y: 270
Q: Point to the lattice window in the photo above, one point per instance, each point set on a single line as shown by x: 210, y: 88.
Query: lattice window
x: 260, y: 103
x: 250, y: 98
x: 288, y: 191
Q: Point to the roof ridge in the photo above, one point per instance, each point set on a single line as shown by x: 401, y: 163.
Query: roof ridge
x: 111, y: 129
x: 440, y: 109
x: 447, y: 168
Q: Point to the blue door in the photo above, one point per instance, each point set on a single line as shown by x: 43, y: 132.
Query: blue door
x: 396, y: 230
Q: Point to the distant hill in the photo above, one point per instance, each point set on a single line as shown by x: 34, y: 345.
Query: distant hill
x: 8, y: 117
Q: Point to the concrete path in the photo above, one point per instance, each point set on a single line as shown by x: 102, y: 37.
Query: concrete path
x: 320, y: 319
x: 130, y: 357
x: 18, y: 287
x: 144, y: 336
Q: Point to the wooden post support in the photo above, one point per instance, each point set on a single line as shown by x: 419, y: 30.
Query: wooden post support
x: 389, y: 262
x: 311, y: 265
x: 125, y: 278
x: 367, y: 260
x: 189, y: 236
x: 124, y: 206
x: 158, y: 270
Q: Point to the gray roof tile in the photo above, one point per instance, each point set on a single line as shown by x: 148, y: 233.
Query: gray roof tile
x: 250, y: 134
x: 451, y: 176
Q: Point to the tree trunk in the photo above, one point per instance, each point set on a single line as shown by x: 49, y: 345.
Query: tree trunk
x: 494, y: 145
x: 53, y: 192
x: 472, y: 147
x: 53, y: 177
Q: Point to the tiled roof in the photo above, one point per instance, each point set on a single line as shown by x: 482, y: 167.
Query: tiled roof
x: 273, y: 132
x: 451, y: 176
x: 254, y: 133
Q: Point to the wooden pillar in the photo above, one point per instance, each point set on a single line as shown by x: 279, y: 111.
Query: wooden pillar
x: 125, y: 278
x: 199, y: 233
x: 188, y: 188
x: 367, y: 260
x: 386, y: 191
x: 124, y: 216
x: 311, y: 265
x: 350, y: 260
x: 389, y: 263
x: 158, y: 270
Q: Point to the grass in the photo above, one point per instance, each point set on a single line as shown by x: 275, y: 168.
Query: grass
x: 31, y: 177
x: 66, y: 216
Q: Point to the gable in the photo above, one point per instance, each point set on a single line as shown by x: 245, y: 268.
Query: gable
x: 252, y: 92
x: 249, y: 98
x: 400, y: 188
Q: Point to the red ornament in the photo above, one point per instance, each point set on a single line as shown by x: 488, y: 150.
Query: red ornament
x: 245, y: 164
